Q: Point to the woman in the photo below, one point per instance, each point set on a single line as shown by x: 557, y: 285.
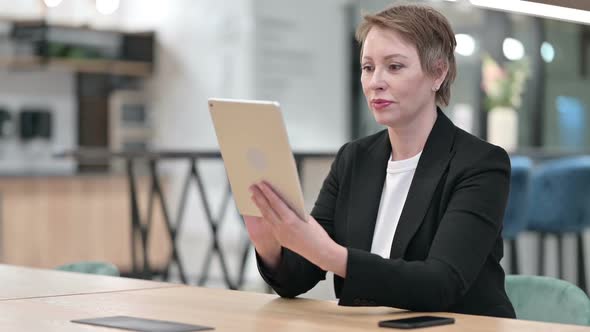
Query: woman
x: 410, y: 217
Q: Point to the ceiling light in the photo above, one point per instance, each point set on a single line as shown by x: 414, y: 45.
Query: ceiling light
x: 465, y: 44
x: 536, y: 9
x: 52, y: 3
x: 107, y: 7
x: 547, y: 52
x: 513, y: 49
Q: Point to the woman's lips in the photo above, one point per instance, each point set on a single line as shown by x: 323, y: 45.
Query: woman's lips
x: 379, y: 104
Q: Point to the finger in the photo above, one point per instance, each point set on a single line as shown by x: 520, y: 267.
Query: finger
x: 263, y: 205
x: 277, y: 203
x: 268, y: 214
x: 249, y: 218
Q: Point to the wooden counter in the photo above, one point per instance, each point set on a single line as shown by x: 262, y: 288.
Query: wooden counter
x: 49, y: 221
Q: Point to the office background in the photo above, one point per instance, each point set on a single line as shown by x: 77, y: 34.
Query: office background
x: 301, y: 53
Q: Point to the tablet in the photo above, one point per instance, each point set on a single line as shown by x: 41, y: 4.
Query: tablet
x: 141, y: 324
x: 255, y: 147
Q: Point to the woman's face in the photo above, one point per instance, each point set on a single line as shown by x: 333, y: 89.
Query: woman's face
x: 396, y: 88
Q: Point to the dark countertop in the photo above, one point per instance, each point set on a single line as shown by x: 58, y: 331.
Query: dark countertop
x: 89, y: 154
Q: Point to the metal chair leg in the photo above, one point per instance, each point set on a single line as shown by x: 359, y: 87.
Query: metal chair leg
x: 541, y: 257
x: 581, y: 262
x: 513, y: 256
x: 560, y: 255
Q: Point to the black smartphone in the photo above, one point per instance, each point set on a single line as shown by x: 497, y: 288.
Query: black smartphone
x: 416, y: 322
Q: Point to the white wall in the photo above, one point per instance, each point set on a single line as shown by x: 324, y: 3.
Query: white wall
x: 199, y: 42
x: 224, y: 49
x: 74, y: 12
x: 20, y: 9
x: 301, y: 59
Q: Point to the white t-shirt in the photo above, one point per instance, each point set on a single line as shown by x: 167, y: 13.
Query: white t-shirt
x: 395, y: 191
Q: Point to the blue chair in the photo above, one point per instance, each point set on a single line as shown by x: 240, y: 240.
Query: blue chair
x: 547, y: 299
x: 559, y: 203
x: 91, y: 267
x: 515, y: 215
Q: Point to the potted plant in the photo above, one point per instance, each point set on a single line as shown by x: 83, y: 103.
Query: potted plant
x: 503, y: 87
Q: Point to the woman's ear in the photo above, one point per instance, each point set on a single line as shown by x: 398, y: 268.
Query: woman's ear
x: 440, y: 73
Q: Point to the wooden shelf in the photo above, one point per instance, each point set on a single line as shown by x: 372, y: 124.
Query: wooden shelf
x: 113, y: 67
x: 24, y: 62
x: 62, y: 47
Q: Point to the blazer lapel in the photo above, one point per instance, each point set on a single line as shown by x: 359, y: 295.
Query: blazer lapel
x: 434, y: 159
x: 367, y: 186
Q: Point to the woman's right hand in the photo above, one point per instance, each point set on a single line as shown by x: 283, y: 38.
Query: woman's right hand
x: 262, y: 236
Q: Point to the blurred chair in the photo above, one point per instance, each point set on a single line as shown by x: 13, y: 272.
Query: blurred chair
x: 101, y: 268
x: 571, y: 122
x: 515, y: 215
x: 559, y: 203
x: 547, y: 299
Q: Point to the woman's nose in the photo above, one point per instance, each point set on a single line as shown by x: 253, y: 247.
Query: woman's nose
x: 377, y: 82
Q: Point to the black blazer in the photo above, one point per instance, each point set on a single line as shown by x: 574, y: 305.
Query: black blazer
x: 447, y: 246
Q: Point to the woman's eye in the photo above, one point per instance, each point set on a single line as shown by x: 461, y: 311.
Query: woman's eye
x: 395, y: 67
x: 367, y: 68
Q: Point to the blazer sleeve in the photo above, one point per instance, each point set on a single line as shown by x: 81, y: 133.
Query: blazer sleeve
x: 295, y: 275
x: 465, y: 237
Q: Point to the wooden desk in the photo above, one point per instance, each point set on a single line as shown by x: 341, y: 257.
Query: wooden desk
x: 229, y: 311
x: 21, y: 282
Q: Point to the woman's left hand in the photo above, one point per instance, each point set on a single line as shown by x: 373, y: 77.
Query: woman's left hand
x: 307, y: 238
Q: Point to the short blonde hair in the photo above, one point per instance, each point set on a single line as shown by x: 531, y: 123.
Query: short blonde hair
x: 428, y: 30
